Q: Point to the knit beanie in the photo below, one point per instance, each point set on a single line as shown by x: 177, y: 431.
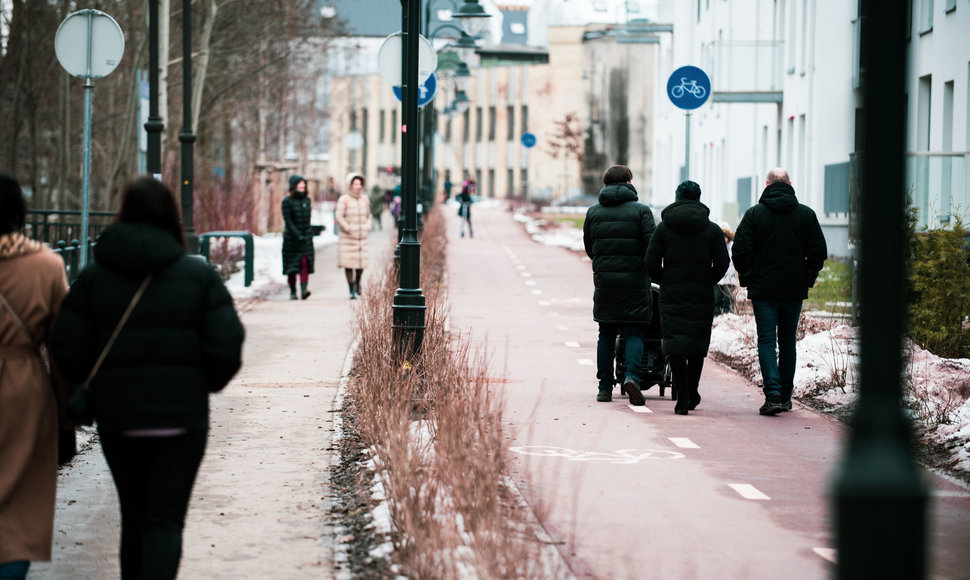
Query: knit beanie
x: 294, y: 181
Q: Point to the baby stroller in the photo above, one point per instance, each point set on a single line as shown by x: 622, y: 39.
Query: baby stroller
x: 656, y: 367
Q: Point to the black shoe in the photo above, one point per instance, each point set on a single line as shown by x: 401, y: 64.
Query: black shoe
x: 772, y: 406
x: 680, y: 411
x: 304, y: 293
x: 293, y: 295
x: 786, y: 406
x: 604, y: 396
x: 694, y: 401
x: 632, y: 389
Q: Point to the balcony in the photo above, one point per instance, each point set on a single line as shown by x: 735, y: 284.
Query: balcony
x: 745, y: 71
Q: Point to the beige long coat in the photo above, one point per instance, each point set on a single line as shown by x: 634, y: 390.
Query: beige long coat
x: 33, y: 282
x: 354, y: 219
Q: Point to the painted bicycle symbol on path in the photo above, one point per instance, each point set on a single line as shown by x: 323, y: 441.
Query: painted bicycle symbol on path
x: 618, y: 457
x: 691, y: 87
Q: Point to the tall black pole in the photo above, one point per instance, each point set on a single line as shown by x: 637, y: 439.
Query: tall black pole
x: 154, y: 126
x: 186, y: 137
x: 409, y: 303
x: 880, y: 497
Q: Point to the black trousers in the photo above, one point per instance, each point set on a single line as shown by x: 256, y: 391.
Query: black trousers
x: 686, y: 374
x: 154, y: 478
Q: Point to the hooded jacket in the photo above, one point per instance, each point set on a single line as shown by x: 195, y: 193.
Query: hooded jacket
x: 616, y: 234
x: 779, y: 247
x: 687, y: 257
x: 182, y: 341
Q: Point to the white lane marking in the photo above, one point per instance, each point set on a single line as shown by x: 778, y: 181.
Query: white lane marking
x: 521, y: 267
x: 640, y: 409
x: 526, y: 275
x: 537, y: 292
x: 562, y: 327
x: 684, y: 443
x: 827, y: 553
x: 585, y: 362
x: 748, y: 491
x: 544, y: 303
x: 572, y: 344
x: 620, y: 456
x: 530, y: 282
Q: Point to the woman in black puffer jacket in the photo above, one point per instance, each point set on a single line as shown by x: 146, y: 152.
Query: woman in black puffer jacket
x: 687, y: 256
x: 182, y: 341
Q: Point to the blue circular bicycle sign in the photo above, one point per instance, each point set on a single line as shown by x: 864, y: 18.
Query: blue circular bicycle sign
x: 688, y: 87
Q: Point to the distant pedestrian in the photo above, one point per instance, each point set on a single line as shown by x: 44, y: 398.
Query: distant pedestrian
x: 447, y: 187
x: 778, y: 251
x: 32, y: 286
x: 298, y: 251
x: 182, y: 341
x: 354, y: 217
x: 376, y: 207
x: 465, y: 207
x: 727, y: 287
x: 687, y: 257
x: 616, y: 235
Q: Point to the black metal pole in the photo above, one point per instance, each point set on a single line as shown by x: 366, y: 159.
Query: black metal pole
x: 880, y: 498
x: 186, y: 137
x: 409, y: 302
x: 154, y: 126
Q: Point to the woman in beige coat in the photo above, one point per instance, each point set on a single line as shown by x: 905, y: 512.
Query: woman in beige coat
x: 32, y: 286
x: 354, y: 219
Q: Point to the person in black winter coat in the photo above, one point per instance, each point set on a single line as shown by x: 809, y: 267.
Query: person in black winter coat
x: 778, y: 250
x: 616, y: 234
x: 687, y: 257
x: 182, y: 341
x: 297, y: 237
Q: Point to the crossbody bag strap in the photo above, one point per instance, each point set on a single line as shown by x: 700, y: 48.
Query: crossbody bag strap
x: 17, y: 318
x: 117, y: 331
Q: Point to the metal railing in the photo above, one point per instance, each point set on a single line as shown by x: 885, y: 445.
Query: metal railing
x: 61, y: 230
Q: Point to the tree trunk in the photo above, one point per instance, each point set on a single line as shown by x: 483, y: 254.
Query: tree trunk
x: 202, y: 64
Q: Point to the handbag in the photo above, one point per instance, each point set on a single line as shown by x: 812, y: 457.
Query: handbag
x: 80, y: 407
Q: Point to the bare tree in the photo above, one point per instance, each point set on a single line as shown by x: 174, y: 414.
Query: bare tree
x: 567, y: 141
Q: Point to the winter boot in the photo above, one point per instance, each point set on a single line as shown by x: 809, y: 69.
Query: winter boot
x: 304, y: 293
x: 293, y: 292
x: 357, y: 288
x: 353, y: 290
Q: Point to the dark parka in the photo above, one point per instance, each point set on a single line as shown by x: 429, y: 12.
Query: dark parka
x: 779, y: 247
x: 687, y: 257
x: 297, y: 234
x: 182, y: 341
x: 616, y: 234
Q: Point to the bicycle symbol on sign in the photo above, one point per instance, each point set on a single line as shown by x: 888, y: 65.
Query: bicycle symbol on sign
x: 678, y: 91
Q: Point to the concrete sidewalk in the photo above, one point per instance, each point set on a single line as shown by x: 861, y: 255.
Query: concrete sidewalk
x: 261, y: 503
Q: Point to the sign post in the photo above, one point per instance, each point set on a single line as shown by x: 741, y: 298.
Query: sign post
x: 688, y: 88
x: 89, y: 44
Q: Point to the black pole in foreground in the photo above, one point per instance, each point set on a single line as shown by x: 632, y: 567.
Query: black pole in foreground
x: 409, y: 303
x: 880, y: 498
x: 186, y: 137
x: 154, y: 126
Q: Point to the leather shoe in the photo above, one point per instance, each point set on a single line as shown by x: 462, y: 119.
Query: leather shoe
x: 604, y: 396
x: 632, y: 389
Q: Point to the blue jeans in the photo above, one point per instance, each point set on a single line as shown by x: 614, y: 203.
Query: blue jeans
x: 777, y: 321
x: 606, y: 352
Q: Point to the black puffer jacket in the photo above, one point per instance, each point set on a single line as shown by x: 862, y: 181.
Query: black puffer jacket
x: 687, y: 257
x: 182, y: 341
x: 616, y: 234
x: 297, y: 233
x: 779, y: 247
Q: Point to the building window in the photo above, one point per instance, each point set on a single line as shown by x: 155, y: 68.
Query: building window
x: 466, y: 119
x: 926, y: 16
x: 837, y: 188
x: 478, y: 124
x: 448, y: 130
x: 478, y: 181
x: 363, y: 149
x: 524, y: 179
x: 510, y: 111
x: 951, y: 5
x: 394, y: 127
x: 510, y: 184
x: 491, y: 183
x: 744, y: 194
x: 380, y: 123
x: 525, y: 118
x: 491, y: 123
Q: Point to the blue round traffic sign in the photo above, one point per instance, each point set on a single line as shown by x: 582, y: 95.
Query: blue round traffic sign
x: 528, y: 140
x: 688, y: 87
x: 426, y: 90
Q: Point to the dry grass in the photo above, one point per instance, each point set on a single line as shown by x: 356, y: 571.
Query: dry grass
x: 434, y: 426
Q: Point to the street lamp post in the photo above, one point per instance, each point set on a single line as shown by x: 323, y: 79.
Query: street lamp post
x: 187, y: 137
x: 154, y: 126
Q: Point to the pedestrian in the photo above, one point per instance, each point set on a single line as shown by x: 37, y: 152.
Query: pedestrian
x: 376, y: 206
x: 447, y: 187
x: 182, y: 341
x: 727, y: 287
x: 32, y: 286
x: 465, y: 207
x: 298, y: 251
x: 354, y: 217
x: 687, y: 257
x: 778, y: 251
x: 616, y: 235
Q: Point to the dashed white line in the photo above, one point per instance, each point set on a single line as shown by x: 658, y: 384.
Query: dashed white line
x: 585, y: 362
x: 684, y: 443
x: 537, y: 292
x: 530, y: 282
x: 640, y: 409
x: 572, y: 344
x: 526, y: 275
x: 748, y: 491
x: 827, y: 553
x: 544, y: 303
x: 520, y: 267
x: 562, y: 327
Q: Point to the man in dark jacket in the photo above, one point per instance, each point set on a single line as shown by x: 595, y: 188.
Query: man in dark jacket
x: 778, y: 252
x: 687, y: 257
x: 616, y: 234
